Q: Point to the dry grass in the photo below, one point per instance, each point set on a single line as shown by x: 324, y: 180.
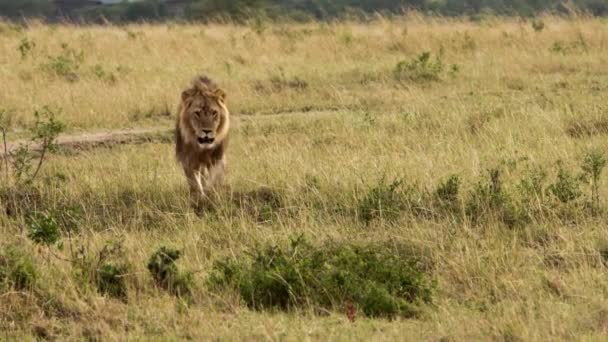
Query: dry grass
x: 346, y: 122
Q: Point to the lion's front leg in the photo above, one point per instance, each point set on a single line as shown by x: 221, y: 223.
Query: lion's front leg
x: 216, y: 174
x: 195, y: 182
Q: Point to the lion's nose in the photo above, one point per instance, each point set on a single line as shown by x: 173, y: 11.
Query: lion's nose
x: 207, y: 131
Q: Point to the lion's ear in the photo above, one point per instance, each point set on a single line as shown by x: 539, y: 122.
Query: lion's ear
x: 220, y: 94
x: 186, y: 94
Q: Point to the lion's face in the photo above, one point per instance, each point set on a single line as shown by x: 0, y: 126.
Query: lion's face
x: 205, y: 114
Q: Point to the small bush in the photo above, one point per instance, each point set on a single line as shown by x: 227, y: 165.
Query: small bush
x: 566, y: 187
x: 165, y: 273
x: 17, y: 270
x: 538, y: 25
x: 44, y: 133
x: 44, y: 229
x: 381, y: 280
x: 531, y: 189
x: 419, y: 69
x: 383, y: 201
x: 532, y: 185
x: 447, y: 194
x: 107, y: 271
x: 26, y: 46
x: 66, y: 65
x: 104, y: 75
x: 447, y: 191
x: 111, y: 281
x: 488, y: 200
x: 593, y: 165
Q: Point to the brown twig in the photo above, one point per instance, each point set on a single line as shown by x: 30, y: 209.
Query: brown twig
x: 45, y: 147
x: 5, y: 153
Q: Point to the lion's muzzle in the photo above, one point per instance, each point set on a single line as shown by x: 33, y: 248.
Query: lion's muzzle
x: 206, y: 137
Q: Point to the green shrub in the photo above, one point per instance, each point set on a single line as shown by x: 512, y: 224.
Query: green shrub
x: 44, y: 133
x: 381, y: 280
x: 25, y: 47
x: 383, y: 201
x: 43, y: 229
x: 531, y: 189
x: 447, y: 192
x: 566, y: 187
x: 104, y: 75
x: 107, y: 271
x: 532, y: 185
x: 419, y: 69
x: 593, y: 165
x: 65, y: 65
x: 165, y: 273
x: 488, y: 200
x: 538, y: 25
x: 111, y: 281
x: 17, y: 270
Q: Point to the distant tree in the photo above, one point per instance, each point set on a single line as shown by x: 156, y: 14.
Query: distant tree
x: 298, y: 9
x: 596, y: 7
x: 26, y: 8
x: 145, y: 10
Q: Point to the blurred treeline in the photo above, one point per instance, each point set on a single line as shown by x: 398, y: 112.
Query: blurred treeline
x: 300, y: 10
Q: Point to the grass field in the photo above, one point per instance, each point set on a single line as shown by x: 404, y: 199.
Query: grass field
x: 479, y: 146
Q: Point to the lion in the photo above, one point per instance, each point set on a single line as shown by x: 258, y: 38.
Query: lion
x: 201, y: 135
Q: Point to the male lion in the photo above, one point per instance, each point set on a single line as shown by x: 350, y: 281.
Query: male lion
x: 201, y: 136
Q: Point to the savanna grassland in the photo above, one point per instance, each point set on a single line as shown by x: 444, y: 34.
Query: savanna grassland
x: 399, y: 179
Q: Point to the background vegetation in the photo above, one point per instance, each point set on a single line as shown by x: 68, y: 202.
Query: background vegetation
x: 301, y: 10
x: 403, y: 178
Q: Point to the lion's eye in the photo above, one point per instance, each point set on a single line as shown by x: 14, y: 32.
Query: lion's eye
x: 197, y: 112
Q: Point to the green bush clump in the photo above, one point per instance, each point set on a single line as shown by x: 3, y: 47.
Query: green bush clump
x: 107, y: 271
x: 383, y: 201
x: 489, y: 200
x: 447, y: 194
x: 17, y: 270
x: 566, y: 187
x: 44, y: 229
x: 165, y: 273
x: 379, y: 279
x: 65, y: 65
x: 111, y: 281
x: 419, y: 69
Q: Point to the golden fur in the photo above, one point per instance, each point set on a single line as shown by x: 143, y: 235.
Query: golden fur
x: 202, y: 127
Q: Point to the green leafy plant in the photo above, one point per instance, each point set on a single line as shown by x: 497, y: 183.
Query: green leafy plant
x: 26, y: 46
x: 383, y: 201
x: 163, y: 269
x: 17, y: 269
x: 43, y: 229
x: 489, y: 200
x: 107, y: 271
x: 110, y: 280
x: 381, y: 280
x: 104, y: 75
x: 66, y: 64
x: 447, y: 194
x: 419, y: 69
x: 566, y: 188
x: 593, y: 165
x: 44, y: 133
x: 447, y: 191
x: 538, y: 25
